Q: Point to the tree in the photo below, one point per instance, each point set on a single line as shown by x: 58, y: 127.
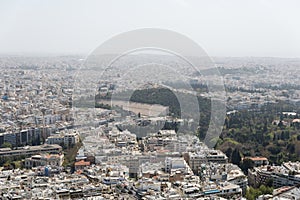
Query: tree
x: 6, y: 145
x: 253, y: 193
x: 270, y: 182
x: 280, y: 124
x: 228, y: 153
x: 236, y: 157
x: 247, y: 164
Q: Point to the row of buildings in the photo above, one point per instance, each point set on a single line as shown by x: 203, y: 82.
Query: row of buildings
x: 288, y: 174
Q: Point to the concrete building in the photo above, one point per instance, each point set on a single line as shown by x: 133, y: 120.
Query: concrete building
x: 31, y: 150
x: 44, y: 160
x: 175, y: 164
x: 79, y: 165
x: 258, y: 161
x: 67, y: 139
x: 278, y: 176
x: 195, y: 160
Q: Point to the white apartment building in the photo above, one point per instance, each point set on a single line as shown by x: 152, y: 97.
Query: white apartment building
x: 66, y: 139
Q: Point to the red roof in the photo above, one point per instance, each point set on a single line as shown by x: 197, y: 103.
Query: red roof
x: 257, y: 158
x: 82, y: 163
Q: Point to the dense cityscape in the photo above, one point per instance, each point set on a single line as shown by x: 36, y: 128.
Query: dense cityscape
x: 70, y: 135
x: 149, y: 100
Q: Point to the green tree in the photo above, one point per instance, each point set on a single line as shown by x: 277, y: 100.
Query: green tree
x: 228, y: 153
x: 247, y: 164
x: 253, y: 193
x: 6, y: 145
x: 236, y: 157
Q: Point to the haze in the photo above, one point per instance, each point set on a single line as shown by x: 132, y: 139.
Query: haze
x: 222, y: 28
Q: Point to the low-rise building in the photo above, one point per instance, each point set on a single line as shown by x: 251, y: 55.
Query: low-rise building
x: 44, y: 160
x: 66, y: 139
x: 79, y: 165
x: 31, y: 150
x: 258, y: 161
x: 195, y: 160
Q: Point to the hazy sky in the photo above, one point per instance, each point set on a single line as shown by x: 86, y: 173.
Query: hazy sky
x: 221, y: 27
